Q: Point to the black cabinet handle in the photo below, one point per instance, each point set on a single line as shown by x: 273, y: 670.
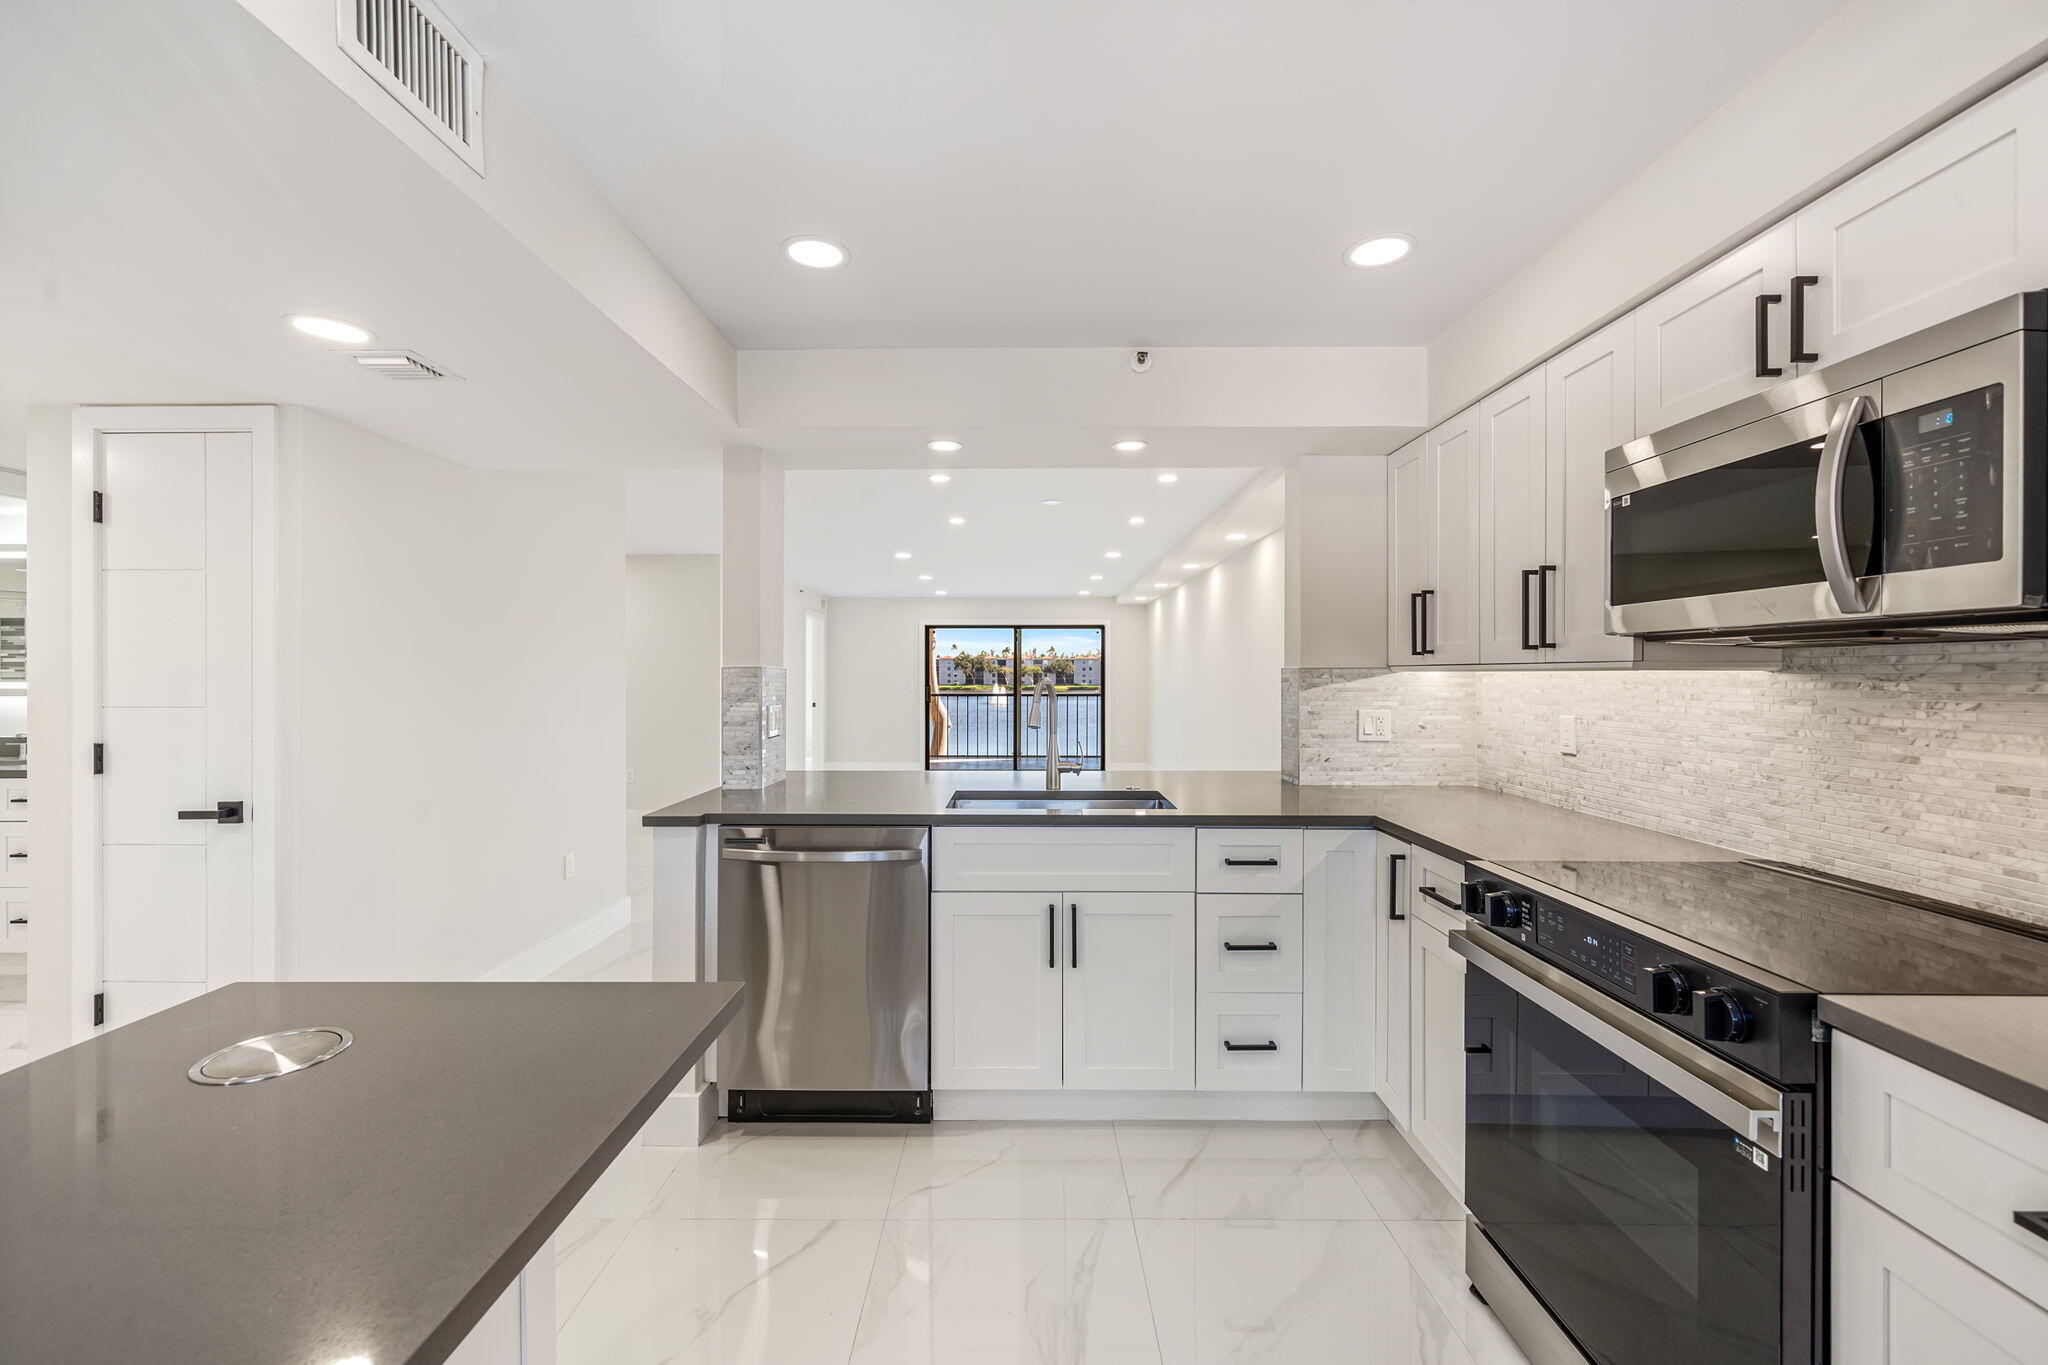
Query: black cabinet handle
x: 1414, y: 625
x: 1528, y: 576
x: 1052, y: 940
x: 1800, y: 284
x: 1394, y: 861
x: 17, y: 855
x: 1441, y: 899
x: 1764, y: 368
x: 1425, y: 595
x: 226, y: 812
x: 1251, y: 862
x: 2036, y: 1223
x: 1074, y: 932
x: 22, y: 920
x: 1250, y: 1047
x: 1251, y: 947
x: 1543, y: 605
x: 1478, y: 1050
x: 17, y: 800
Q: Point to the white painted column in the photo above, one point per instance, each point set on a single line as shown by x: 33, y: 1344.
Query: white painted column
x: 1336, y: 582
x: 753, y: 681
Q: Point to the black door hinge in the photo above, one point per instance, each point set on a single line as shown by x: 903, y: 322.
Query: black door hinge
x: 99, y: 1009
x: 99, y: 505
x: 99, y: 759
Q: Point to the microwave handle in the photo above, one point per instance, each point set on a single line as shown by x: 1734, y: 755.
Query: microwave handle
x: 1850, y: 595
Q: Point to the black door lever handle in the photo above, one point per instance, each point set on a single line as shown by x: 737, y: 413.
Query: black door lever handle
x: 226, y: 812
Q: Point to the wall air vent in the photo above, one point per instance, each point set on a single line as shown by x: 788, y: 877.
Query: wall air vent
x: 410, y: 48
x: 399, y: 365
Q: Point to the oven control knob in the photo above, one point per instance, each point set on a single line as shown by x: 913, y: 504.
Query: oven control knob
x: 1670, y: 991
x: 1724, y: 1016
x: 1505, y: 910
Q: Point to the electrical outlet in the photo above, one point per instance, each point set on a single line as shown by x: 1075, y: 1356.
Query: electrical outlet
x: 1375, y: 727
x: 1568, y: 734
x: 568, y: 867
x: 629, y: 775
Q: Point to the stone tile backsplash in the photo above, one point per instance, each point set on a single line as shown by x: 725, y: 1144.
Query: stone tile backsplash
x: 1922, y: 767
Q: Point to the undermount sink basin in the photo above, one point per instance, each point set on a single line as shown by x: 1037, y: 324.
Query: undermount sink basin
x: 1132, y: 799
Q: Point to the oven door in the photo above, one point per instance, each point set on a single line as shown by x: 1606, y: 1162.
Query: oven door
x: 1633, y: 1186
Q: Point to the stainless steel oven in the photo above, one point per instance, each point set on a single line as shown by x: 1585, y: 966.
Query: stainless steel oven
x: 1897, y: 494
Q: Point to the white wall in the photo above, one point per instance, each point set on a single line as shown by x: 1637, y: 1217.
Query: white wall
x: 453, y: 711
x: 672, y: 731
x: 874, y: 671
x: 1216, y: 657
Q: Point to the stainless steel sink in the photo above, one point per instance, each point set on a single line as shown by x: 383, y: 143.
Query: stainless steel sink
x: 1131, y: 799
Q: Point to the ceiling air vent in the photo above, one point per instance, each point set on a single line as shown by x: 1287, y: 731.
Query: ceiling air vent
x: 399, y: 365
x: 410, y: 48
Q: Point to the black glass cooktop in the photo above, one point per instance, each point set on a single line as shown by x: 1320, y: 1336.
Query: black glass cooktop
x: 1831, y: 937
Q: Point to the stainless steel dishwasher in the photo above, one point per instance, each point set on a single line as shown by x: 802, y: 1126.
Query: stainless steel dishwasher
x: 829, y: 926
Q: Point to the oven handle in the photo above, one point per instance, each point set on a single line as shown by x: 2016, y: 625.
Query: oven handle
x: 1728, y: 1094
x: 1850, y: 595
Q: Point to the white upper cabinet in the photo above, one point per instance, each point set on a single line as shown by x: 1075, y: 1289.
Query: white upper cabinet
x: 1513, y: 480
x: 1433, y: 546
x: 1954, y: 220
x: 1589, y: 405
x: 1700, y: 344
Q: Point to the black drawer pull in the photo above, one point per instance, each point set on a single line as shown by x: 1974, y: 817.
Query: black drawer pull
x: 22, y: 920
x: 17, y: 855
x: 1251, y: 862
x: 1478, y: 1050
x: 1251, y: 947
x: 1052, y: 935
x: 1394, y: 861
x: 1250, y: 1047
x: 17, y: 800
x: 2036, y: 1223
x: 1440, y: 898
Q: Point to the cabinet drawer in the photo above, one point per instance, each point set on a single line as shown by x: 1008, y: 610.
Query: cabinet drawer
x: 1248, y: 1042
x: 1947, y: 1160
x: 1436, y: 880
x: 1248, y: 943
x: 1005, y: 859
x: 14, y: 935
x: 1898, y: 1298
x: 1248, y: 860
x: 14, y: 867
x: 14, y: 801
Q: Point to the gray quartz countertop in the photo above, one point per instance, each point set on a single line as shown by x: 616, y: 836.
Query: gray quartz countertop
x: 372, y: 1207
x: 1458, y: 822
x: 1994, y: 1044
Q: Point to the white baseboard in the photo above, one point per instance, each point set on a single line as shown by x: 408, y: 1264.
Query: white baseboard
x: 1098, y: 1105
x: 685, y: 1118
x: 552, y: 954
x: 871, y: 767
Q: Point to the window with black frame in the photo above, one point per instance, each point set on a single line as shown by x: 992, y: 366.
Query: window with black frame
x: 978, y: 685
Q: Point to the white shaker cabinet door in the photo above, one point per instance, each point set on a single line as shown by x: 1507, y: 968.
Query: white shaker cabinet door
x: 1696, y: 342
x: 1590, y: 407
x: 1130, y: 990
x: 996, y: 999
x: 1411, y: 535
x: 1450, y: 612
x: 1956, y: 219
x: 1513, y: 483
x: 1393, y: 868
x: 1436, y: 1050
x: 1340, y: 933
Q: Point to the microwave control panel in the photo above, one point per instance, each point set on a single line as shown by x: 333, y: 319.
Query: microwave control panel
x: 1944, y: 476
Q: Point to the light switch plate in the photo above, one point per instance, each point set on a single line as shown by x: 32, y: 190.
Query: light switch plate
x: 1375, y: 727
x: 1568, y: 734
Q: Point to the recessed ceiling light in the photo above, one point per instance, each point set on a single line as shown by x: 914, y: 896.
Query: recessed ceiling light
x: 1381, y: 250
x: 939, y: 592
x: 943, y: 447
x: 1169, y: 478
x: 903, y: 554
x: 1162, y: 585
x: 1095, y: 578
x: 1128, y: 447
x: 1085, y: 592
x: 815, y: 252
x: 1137, y: 521
x: 1191, y: 566
x: 1048, y: 502
x: 941, y: 478
x: 924, y: 578
x: 331, y: 329
x: 1141, y: 599
x: 1235, y: 535
x: 1112, y: 554
x: 956, y: 521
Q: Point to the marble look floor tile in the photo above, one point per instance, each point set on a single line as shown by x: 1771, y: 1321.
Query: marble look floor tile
x: 1006, y: 1292
x: 1020, y: 1141
x: 1280, y: 1141
x: 1307, y: 1292
x: 1436, y: 1250
x: 1393, y: 1177
x: 783, y: 1174
x: 725, y: 1292
x: 1008, y: 1186
x: 1244, y: 1188
x: 584, y: 1246
x: 629, y: 1185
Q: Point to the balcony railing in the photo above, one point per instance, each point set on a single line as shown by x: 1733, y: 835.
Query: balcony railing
x: 981, y: 731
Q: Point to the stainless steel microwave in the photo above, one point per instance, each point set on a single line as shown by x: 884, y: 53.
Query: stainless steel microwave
x: 1898, y: 494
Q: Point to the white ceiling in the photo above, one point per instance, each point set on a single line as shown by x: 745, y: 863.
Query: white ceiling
x: 1114, y: 172
x: 843, y: 527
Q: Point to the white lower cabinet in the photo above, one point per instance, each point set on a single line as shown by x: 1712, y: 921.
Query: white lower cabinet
x: 996, y: 990
x: 1393, y: 882
x: 1436, y: 1050
x: 1247, y: 1041
x: 1130, y: 991
x: 1898, y: 1297
x: 1248, y: 943
x: 1341, y: 917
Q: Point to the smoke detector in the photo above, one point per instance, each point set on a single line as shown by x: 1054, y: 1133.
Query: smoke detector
x: 400, y: 365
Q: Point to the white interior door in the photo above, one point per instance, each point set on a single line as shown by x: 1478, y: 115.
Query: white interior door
x: 814, y: 691
x: 176, y: 716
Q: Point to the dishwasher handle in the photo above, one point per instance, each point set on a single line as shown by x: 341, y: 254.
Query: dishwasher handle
x: 821, y: 855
